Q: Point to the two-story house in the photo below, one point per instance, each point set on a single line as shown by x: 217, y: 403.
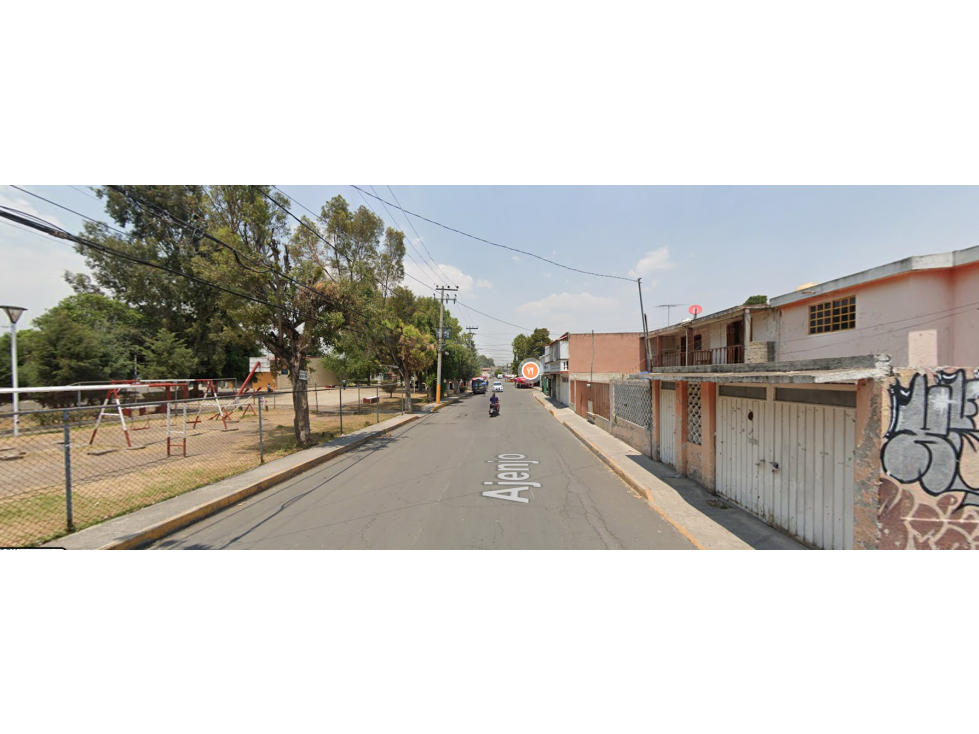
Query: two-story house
x: 843, y: 412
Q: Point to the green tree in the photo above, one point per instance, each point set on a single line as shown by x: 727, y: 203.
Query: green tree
x: 408, y: 349
x: 166, y: 356
x: 164, y: 225
x: 756, y: 300
x: 530, y: 347
x: 66, y: 352
x: 87, y: 337
x: 26, y: 339
x: 298, y: 309
x: 485, y: 361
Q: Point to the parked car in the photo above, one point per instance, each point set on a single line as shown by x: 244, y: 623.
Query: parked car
x: 497, y: 386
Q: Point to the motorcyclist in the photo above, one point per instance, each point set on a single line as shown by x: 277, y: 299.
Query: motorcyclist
x: 494, y: 401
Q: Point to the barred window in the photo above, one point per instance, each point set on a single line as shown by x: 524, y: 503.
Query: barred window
x: 838, y: 315
x: 693, y: 412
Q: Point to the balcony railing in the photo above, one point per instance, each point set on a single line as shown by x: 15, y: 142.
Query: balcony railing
x: 733, y: 354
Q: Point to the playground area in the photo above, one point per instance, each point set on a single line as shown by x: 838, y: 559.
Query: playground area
x: 121, y: 457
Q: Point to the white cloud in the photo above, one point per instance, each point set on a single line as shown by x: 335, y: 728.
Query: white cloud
x: 33, y: 277
x: 654, y: 260
x: 515, y: 259
x: 548, y: 275
x: 467, y: 284
x: 15, y: 201
x: 481, y: 283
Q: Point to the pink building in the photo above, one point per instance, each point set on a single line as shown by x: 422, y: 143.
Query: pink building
x: 578, y: 368
x: 843, y: 413
x: 921, y: 311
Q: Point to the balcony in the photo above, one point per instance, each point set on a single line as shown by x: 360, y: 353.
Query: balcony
x: 733, y: 354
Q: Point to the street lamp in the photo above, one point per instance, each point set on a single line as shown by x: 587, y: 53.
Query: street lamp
x: 13, y: 313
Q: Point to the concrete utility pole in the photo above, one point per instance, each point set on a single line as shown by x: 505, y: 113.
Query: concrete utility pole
x: 438, y: 378
x: 472, y: 344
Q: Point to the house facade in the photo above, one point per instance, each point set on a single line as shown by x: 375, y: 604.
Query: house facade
x: 554, y: 369
x: 843, y: 413
x: 577, y: 369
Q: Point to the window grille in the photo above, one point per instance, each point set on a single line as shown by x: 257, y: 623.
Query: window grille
x: 693, y: 412
x: 838, y: 315
x: 633, y: 402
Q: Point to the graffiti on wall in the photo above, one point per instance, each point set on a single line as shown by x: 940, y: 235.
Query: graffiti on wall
x: 932, y: 440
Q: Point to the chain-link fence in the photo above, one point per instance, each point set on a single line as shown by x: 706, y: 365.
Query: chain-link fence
x: 632, y: 402
x: 66, y: 469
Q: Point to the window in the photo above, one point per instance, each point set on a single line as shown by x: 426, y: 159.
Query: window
x: 698, y: 342
x: 743, y: 391
x: 841, y: 398
x: 837, y: 315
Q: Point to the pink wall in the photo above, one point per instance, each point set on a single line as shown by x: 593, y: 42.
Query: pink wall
x: 966, y: 320
x: 613, y: 352
x: 905, y: 317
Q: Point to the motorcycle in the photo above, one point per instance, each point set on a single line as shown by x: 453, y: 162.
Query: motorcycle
x: 494, y: 409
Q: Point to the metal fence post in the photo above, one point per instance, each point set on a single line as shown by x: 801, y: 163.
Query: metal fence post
x: 377, y: 394
x: 67, y: 444
x: 316, y: 397
x: 261, y: 438
x: 341, y: 410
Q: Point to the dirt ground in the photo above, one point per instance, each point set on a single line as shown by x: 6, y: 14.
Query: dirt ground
x: 109, y: 478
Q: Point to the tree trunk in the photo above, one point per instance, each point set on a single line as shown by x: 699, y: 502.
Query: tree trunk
x: 405, y: 379
x: 300, y: 405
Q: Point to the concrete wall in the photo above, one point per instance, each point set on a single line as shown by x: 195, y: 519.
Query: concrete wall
x: 635, y: 436
x: 319, y: 376
x: 929, y: 459
x: 613, y: 353
x: 905, y: 317
x: 965, y: 349
x: 763, y: 326
x: 758, y: 352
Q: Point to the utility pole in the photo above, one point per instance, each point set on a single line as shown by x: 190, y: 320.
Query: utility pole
x: 438, y: 377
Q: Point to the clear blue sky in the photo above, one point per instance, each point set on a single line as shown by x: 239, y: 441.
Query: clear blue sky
x: 713, y: 246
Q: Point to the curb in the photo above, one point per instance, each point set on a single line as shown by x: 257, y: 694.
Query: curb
x: 643, y: 492
x: 189, y: 517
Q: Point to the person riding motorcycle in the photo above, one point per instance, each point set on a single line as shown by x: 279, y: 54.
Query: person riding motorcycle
x: 494, y: 401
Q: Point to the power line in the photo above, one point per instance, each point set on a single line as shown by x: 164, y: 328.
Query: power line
x: 54, y: 231
x: 434, y: 276
x: 444, y: 276
x: 496, y: 319
x: 408, y: 219
x: 422, y: 241
x: 296, y: 201
x: 494, y: 244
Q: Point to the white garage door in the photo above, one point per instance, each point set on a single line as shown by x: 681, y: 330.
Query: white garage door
x: 667, y: 422
x: 791, y: 461
x: 564, y: 391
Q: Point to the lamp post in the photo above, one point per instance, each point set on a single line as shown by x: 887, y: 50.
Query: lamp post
x: 14, y: 313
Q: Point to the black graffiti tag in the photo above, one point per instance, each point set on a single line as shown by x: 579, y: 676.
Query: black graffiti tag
x: 930, y: 427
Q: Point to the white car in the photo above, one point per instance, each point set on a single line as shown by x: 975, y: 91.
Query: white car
x: 497, y: 386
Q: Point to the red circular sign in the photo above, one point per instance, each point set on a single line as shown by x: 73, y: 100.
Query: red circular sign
x: 695, y: 310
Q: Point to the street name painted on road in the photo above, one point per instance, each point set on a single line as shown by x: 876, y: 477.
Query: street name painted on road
x: 513, y: 471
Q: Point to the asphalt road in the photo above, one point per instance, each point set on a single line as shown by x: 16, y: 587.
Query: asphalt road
x: 423, y: 486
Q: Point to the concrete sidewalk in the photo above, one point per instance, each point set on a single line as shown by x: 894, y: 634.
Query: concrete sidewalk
x: 684, y: 503
x: 143, y: 527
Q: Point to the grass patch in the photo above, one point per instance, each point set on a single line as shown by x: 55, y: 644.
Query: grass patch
x: 38, y: 514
